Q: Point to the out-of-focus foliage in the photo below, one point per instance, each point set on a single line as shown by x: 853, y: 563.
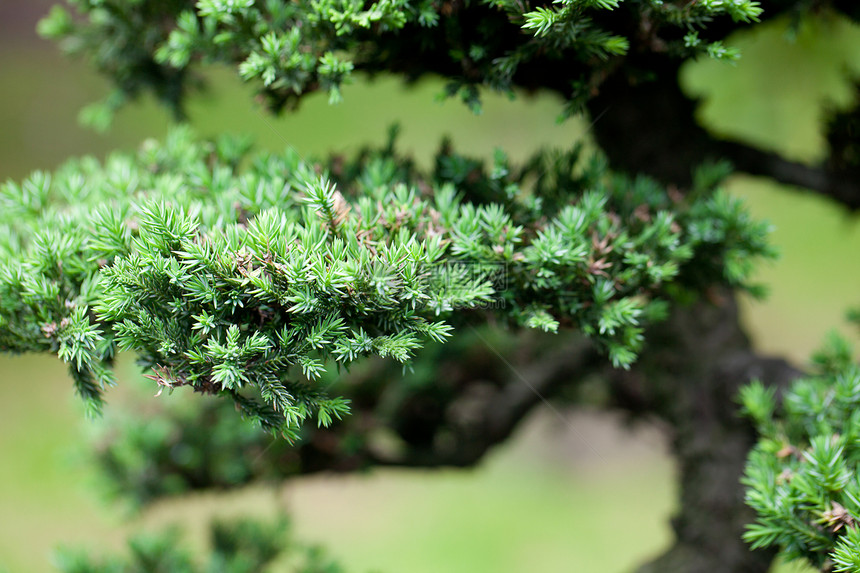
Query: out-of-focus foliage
x: 291, y: 48
x: 146, y: 456
x: 141, y: 459
x: 236, y: 546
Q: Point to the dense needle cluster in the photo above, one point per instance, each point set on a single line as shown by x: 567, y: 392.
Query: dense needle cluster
x: 238, y: 546
x: 249, y: 275
x: 252, y: 276
x: 289, y: 49
x: 802, y: 477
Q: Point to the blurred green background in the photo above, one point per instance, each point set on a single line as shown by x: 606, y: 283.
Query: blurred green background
x: 545, y: 501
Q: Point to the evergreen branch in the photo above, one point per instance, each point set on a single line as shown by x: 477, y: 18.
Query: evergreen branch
x: 801, y: 476
x: 839, y: 182
x: 291, y: 49
x: 236, y: 287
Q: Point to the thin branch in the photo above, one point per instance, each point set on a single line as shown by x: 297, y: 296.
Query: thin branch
x: 475, y: 423
x: 840, y: 185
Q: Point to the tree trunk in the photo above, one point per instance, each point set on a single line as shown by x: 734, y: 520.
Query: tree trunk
x: 690, y: 376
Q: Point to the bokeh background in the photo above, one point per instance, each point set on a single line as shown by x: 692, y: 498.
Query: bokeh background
x: 578, y: 492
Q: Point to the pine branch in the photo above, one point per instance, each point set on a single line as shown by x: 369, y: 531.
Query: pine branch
x: 221, y: 281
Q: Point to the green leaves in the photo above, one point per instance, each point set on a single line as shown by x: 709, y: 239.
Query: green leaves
x: 758, y: 401
x: 801, y: 478
x: 251, y: 283
x: 290, y: 49
x: 846, y: 555
x: 739, y: 10
x: 541, y: 20
x: 223, y: 10
x: 238, y: 545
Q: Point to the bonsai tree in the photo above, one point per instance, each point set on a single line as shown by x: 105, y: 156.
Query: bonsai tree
x: 255, y: 278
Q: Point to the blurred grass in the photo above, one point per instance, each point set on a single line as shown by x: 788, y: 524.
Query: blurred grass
x: 518, y: 511
x: 500, y: 519
x: 544, y: 502
x: 776, y: 97
x: 815, y: 281
x: 40, y: 130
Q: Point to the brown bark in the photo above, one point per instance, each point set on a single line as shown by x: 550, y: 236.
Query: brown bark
x: 650, y: 128
x: 477, y: 402
x: 689, y: 376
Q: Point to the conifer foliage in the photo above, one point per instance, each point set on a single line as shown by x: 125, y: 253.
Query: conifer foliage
x: 252, y: 276
x: 249, y: 282
x: 240, y: 546
x: 802, y: 476
x: 288, y: 49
